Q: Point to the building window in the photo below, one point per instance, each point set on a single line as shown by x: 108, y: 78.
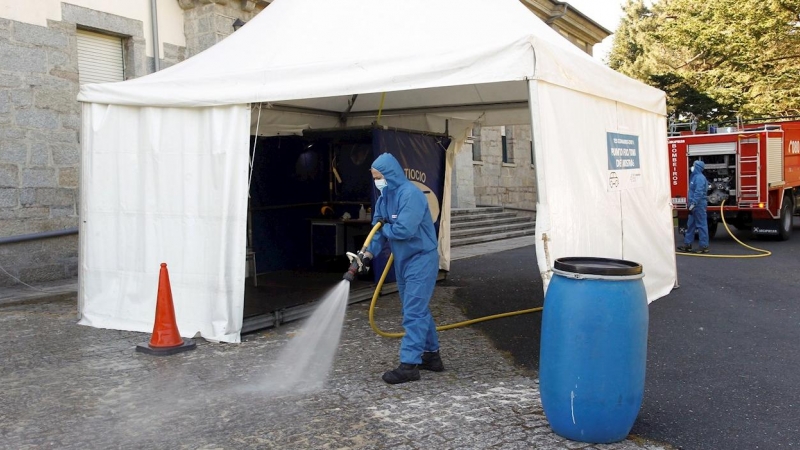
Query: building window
x: 507, y: 158
x: 100, y: 58
x: 476, y: 144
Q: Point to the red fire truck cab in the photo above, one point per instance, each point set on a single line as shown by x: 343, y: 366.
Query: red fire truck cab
x: 754, y: 169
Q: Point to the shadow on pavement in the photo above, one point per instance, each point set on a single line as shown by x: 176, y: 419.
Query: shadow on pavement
x: 503, y: 282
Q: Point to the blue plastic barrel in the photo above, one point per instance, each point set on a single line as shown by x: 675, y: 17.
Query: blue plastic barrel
x: 593, y: 348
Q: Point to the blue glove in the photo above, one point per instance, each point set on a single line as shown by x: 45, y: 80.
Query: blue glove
x: 362, y: 260
x: 366, y: 263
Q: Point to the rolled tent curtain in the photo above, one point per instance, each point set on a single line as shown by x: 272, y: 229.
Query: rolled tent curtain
x: 164, y: 185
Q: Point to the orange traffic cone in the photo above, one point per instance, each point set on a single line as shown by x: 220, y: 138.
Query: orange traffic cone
x: 166, y: 339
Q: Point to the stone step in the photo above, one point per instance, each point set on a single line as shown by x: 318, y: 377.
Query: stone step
x: 481, y: 217
x: 487, y: 222
x: 485, y: 231
x: 472, y: 211
x: 491, y: 237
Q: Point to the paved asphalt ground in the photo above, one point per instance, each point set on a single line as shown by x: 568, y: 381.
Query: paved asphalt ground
x: 723, y: 358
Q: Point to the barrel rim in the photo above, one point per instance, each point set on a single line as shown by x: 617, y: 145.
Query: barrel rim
x: 587, y: 265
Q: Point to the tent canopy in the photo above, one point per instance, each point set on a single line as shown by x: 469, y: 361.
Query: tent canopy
x: 316, y: 55
x: 165, y: 156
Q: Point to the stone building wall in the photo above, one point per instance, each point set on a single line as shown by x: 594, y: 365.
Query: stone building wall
x: 462, y: 194
x: 39, y: 142
x: 496, y: 183
x: 207, y: 22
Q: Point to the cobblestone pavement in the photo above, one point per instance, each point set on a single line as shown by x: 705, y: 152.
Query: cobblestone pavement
x: 67, y: 386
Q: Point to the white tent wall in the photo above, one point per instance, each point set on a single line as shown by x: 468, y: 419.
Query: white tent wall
x: 576, y: 213
x: 164, y: 185
x: 650, y: 239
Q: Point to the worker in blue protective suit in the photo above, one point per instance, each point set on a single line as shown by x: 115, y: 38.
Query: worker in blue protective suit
x: 408, y: 226
x: 698, y: 188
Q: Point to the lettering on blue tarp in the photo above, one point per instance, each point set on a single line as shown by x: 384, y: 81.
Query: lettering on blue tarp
x: 416, y: 175
x: 623, y: 151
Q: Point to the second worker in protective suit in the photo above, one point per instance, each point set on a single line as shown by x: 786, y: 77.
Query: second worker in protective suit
x: 698, y: 220
x: 408, y: 226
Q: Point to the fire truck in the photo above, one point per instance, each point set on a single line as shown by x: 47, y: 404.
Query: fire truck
x: 754, y: 168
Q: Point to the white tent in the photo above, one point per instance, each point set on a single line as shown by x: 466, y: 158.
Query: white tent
x: 165, y: 157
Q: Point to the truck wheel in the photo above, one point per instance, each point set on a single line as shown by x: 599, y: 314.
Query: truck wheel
x: 785, y: 221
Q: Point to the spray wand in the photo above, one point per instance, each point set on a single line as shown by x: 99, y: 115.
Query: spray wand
x: 356, y: 260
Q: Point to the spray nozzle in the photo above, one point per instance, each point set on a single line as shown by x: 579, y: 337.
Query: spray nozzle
x: 350, y: 275
x: 357, y: 265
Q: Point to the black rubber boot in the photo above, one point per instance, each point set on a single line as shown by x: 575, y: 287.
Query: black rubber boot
x: 432, y: 361
x: 684, y: 248
x: 403, y: 373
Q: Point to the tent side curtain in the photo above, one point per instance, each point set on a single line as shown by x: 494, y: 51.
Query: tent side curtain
x: 164, y: 185
x: 584, y: 207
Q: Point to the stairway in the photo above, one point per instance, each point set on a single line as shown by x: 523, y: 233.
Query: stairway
x: 476, y: 225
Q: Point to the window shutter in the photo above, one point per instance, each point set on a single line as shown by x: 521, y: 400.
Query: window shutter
x: 774, y: 160
x: 99, y: 58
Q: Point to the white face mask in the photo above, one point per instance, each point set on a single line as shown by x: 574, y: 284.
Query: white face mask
x: 692, y: 169
x: 380, y: 184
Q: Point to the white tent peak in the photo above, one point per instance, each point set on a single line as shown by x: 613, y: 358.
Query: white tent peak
x: 305, y: 49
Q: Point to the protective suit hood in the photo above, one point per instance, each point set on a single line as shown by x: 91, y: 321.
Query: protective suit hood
x: 698, y: 166
x: 391, y: 170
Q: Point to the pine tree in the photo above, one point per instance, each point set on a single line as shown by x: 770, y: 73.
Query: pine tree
x: 717, y: 59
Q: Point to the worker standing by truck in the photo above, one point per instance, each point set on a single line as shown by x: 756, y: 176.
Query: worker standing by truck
x: 698, y: 220
x: 753, y: 172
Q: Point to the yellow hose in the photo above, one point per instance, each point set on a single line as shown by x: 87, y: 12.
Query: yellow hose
x: 440, y: 328
x: 370, y: 236
x: 762, y: 253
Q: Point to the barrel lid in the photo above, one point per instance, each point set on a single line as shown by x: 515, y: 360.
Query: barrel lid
x: 598, y: 266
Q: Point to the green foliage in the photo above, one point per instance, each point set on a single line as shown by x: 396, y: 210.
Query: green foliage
x: 714, y: 59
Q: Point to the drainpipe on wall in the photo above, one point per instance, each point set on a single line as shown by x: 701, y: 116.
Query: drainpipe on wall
x: 36, y: 236
x: 154, y: 20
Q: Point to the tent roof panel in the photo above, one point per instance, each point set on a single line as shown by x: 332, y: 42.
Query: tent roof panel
x: 307, y: 49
